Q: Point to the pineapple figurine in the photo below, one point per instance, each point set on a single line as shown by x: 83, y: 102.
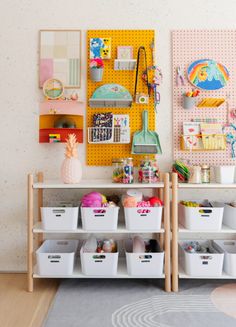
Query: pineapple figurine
x: 71, y: 170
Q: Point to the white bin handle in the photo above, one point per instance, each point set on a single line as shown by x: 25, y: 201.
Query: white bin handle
x: 99, y: 258
x: 99, y: 212
x: 58, y: 212
x: 205, y: 259
x: 145, y: 258
x: 205, y: 212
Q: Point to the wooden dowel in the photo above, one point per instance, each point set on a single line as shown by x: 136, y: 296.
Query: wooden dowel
x: 175, y: 268
x: 40, y: 204
x: 167, y: 231
x: 30, y: 232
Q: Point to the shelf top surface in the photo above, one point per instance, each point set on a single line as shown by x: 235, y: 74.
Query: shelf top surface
x: 207, y: 186
x: 38, y: 228
x: 95, y: 183
x: 224, y: 230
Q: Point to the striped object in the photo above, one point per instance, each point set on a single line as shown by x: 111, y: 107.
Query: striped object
x: 73, y: 72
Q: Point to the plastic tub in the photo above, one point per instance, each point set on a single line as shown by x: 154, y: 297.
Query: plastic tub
x: 144, y: 264
x: 56, y: 257
x: 100, y: 219
x: 60, y: 218
x: 201, y: 264
x: 229, y: 249
x: 99, y: 264
x: 224, y: 174
x: 229, y: 217
x: 201, y: 218
x: 143, y: 219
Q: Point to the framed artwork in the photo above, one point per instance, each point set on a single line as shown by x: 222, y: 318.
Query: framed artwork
x: 125, y: 52
x: 60, y: 57
x: 207, y: 74
x: 100, y: 48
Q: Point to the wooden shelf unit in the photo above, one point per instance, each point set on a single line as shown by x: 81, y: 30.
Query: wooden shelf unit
x: 177, y: 271
x: 35, y: 227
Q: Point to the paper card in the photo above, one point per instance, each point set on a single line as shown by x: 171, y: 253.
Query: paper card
x: 191, y: 128
x: 193, y: 142
x: 121, y: 121
x: 211, y: 128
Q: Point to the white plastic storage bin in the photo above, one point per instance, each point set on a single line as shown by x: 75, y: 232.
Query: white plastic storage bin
x: 201, y: 264
x: 98, y: 264
x: 229, y: 249
x: 99, y: 219
x: 56, y: 257
x: 144, y: 264
x: 201, y: 218
x: 229, y: 217
x: 60, y: 218
x: 224, y: 174
x: 143, y: 219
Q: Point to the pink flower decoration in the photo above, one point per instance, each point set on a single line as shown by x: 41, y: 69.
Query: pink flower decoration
x: 96, y: 63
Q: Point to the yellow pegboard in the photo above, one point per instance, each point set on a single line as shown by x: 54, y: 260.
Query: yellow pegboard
x: 102, y: 154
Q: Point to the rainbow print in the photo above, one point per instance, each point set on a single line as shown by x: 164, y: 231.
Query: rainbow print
x: 207, y: 74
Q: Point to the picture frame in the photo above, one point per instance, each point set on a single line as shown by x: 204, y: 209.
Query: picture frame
x: 60, y: 57
x: 125, y: 52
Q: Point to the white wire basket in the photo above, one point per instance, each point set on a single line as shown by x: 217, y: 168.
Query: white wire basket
x: 108, y: 135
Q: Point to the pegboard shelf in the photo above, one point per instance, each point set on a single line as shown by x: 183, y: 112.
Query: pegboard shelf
x: 210, y: 103
x: 125, y: 64
x: 108, y: 135
x: 209, y: 142
x: 104, y: 103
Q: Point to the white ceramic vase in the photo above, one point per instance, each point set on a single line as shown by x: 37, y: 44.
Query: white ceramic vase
x: 71, y: 171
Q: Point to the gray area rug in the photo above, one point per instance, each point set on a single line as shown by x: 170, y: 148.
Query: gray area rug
x: 142, y: 303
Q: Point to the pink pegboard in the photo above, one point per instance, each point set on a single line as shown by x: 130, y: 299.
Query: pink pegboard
x: 188, y: 46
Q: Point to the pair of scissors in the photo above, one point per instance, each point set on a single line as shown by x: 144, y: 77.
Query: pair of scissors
x: 179, y: 77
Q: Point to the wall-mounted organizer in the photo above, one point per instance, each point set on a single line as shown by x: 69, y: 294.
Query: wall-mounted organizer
x: 188, y: 48
x: 125, y: 64
x: 201, y: 142
x: 51, y: 111
x: 210, y: 102
x: 116, y: 73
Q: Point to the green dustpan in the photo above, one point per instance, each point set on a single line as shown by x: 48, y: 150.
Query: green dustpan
x: 145, y: 141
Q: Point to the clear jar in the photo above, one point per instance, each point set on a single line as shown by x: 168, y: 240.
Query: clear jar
x: 195, y: 175
x: 128, y: 171
x: 148, y: 171
x: 205, y: 174
x: 117, y: 170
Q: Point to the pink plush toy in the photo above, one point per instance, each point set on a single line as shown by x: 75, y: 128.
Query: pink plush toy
x: 93, y: 199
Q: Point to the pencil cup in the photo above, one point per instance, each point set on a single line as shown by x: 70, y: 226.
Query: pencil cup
x: 188, y: 102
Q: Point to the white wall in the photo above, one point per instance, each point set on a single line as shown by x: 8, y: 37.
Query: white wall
x: 19, y: 24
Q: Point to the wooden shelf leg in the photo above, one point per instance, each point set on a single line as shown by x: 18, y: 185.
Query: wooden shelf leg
x: 40, y: 204
x: 30, y: 232
x: 175, y: 268
x: 159, y: 193
x: 167, y: 232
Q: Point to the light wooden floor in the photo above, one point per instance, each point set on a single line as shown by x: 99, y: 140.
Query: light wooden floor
x: 18, y: 308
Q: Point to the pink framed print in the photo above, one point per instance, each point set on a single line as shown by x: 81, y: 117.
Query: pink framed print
x: 60, y: 57
x: 125, y: 52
